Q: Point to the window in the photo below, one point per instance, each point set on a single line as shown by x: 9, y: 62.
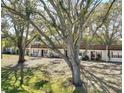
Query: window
x: 80, y: 54
x: 112, y: 54
x: 45, y: 52
x: 116, y: 55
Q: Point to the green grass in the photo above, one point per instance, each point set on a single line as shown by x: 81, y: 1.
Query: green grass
x: 7, y: 55
x: 38, y: 80
x: 35, y: 81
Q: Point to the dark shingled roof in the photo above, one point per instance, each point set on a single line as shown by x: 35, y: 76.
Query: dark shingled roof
x: 91, y: 47
x: 102, y: 47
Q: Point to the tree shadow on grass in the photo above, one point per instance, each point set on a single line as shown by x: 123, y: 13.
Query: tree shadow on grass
x: 10, y: 78
x: 32, y: 80
x: 92, y: 82
x: 35, y: 58
x: 7, y: 74
x: 100, y: 84
x: 40, y: 83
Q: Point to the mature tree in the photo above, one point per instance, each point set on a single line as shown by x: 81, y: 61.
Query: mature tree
x: 4, y: 43
x: 20, y: 32
x: 68, y: 18
x: 111, y: 31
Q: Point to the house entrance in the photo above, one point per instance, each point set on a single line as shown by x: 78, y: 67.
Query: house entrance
x: 96, y: 55
x: 93, y: 55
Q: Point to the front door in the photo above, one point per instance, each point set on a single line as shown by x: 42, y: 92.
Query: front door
x: 92, y: 55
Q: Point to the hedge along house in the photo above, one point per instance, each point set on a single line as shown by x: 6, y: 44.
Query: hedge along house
x: 111, y: 53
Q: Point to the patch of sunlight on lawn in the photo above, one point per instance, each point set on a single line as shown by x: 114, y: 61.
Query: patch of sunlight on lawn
x: 58, y: 88
x: 7, y: 55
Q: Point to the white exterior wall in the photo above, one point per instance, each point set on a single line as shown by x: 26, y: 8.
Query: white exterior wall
x: 103, y: 53
x: 89, y: 53
x: 116, y: 53
x: 35, y: 52
x: 11, y: 50
x: 39, y: 53
x: 54, y: 53
x: 105, y: 56
x: 116, y: 59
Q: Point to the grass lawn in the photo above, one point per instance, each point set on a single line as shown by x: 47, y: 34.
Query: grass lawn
x: 45, y: 75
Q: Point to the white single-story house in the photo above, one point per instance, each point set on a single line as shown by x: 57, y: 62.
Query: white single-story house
x: 9, y: 50
x: 94, y: 52
x: 101, y: 51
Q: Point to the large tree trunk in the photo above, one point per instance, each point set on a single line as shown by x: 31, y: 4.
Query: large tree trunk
x: 76, y: 78
x: 21, y: 56
x: 21, y: 63
x: 22, y: 74
x: 76, y: 75
x: 73, y: 55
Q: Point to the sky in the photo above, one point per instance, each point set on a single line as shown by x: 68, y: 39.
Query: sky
x: 104, y: 1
